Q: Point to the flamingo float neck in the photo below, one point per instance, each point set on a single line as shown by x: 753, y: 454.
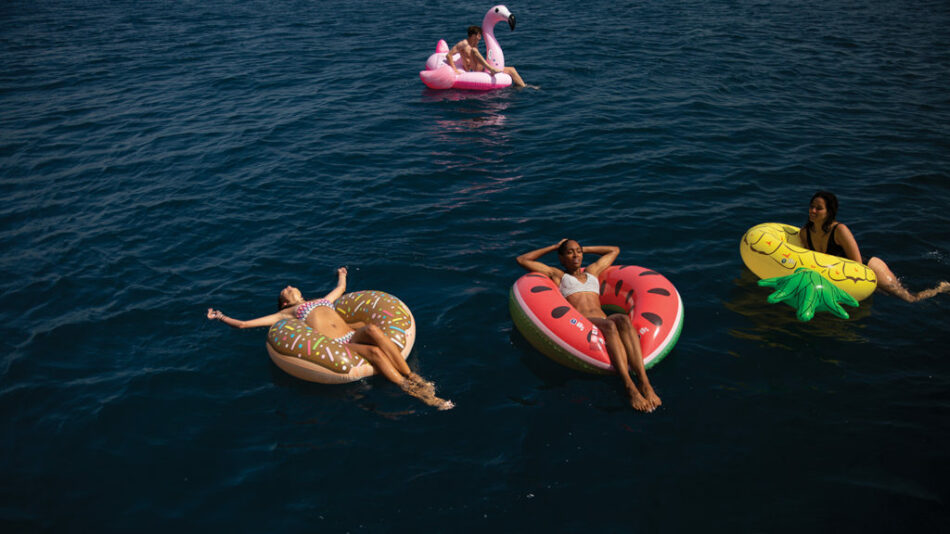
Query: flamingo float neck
x: 495, y: 15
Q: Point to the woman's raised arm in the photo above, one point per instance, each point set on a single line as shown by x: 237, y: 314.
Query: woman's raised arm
x: 607, y: 256
x: 340, y: 285
x: 529, y: 260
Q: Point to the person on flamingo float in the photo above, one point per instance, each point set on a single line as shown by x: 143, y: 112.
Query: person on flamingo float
x: 472, y: 59
x: 366, y: 340
x: 822, y: 233
x: 582, y: 290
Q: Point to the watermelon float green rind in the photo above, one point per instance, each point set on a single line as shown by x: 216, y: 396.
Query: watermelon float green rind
x: 543, y: 343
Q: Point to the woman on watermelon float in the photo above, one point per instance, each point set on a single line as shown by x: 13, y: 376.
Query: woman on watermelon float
x: 366, y: 340
x: 582, y: 290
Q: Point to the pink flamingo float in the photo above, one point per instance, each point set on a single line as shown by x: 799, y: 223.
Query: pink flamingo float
x: 440, y: 75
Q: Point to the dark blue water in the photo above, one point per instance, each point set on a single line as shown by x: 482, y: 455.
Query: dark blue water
x: 160, y: 158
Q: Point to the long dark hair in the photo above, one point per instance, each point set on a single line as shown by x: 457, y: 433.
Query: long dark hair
x: 831, y: 206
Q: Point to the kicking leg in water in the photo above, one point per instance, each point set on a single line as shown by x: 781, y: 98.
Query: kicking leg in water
x: 394, y: 367
x: 888, y: 283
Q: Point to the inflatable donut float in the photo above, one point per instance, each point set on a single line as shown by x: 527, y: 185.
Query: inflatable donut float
x: 558, y: 330
x: 771, y: 250
x: 306, y: 354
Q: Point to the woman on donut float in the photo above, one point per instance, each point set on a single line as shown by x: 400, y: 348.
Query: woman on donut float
x: 824, y: 234
x: 367, y: 340
x: 582, y: 290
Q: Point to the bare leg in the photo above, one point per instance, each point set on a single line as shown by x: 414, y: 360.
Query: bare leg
x: 380, y: 362
x: 372, y: 335
x: 618, y: 357
x: 515, y: 77
x: 631, y: 342
x: 942, y: 287
x: 412, y: 383
x: 377, y: 358
x: 888, y: 283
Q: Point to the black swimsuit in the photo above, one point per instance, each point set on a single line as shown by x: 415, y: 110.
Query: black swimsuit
x: 833, y: 247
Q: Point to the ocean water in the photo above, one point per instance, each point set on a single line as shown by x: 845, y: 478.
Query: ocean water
x: 158, y: 158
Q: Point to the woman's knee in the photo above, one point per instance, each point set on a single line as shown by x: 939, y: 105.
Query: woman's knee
x: 883, y: 272
x: 622, y: 322
x: 609, y: 327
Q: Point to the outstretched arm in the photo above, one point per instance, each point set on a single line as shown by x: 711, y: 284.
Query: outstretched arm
x: 529, y: 260
x: 340, y: 285
x: 608, y: 255
x: 267, y: 320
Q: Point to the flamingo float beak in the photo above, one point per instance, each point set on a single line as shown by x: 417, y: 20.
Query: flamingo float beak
x: 511, y: 22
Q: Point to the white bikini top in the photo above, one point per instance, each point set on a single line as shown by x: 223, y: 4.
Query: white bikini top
x: 571, y: 285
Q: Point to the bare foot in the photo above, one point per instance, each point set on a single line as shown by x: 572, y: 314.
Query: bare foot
x: 420, y: 392
x: 637, y: 401
x: 441, y: 404
x: 651, y: 396
x: 942, y: 287
x: 423, y: 384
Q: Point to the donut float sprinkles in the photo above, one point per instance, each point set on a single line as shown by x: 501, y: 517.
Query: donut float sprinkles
x: 554, y: 327
x: 302, y: 352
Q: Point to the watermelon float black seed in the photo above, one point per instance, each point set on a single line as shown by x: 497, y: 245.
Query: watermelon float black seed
x: 559, y: 312
x: 538, y: 289
x: 659, y: 291
x: 653, y: 318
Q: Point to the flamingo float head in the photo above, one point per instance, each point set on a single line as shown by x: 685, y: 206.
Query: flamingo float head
x: 496, y: 14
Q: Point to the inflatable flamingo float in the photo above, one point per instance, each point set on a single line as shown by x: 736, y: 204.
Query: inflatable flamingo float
x: 440, y: 75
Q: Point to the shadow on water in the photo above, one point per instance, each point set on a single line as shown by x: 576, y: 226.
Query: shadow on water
x: 600, y: 392
x: 749, y: 300
x: 361, y: 393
